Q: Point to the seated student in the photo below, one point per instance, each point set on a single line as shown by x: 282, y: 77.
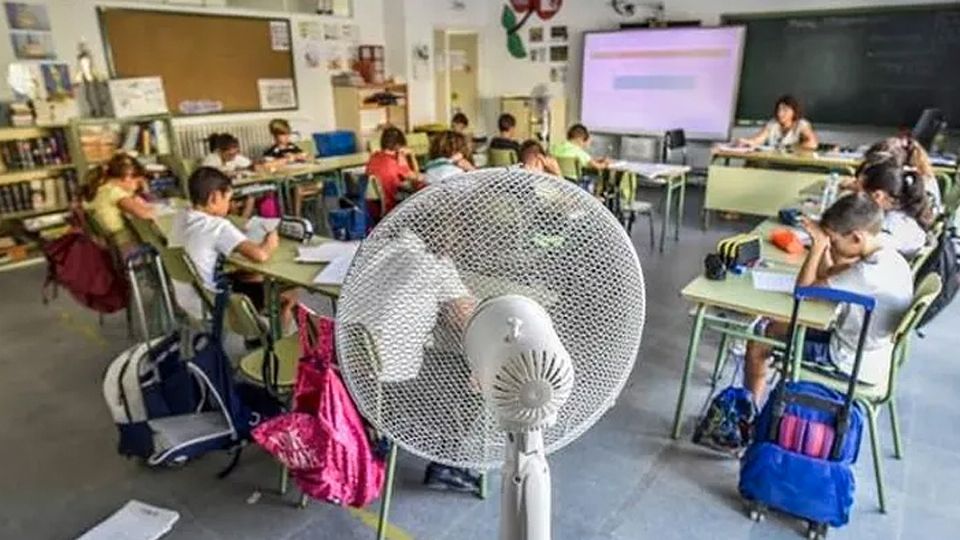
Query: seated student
x: 578, y: 140
x: 391, y: 166
x: 787, y: 129
x: 205, y: 234
x: 111, y: 191
x: 918, y: 158
x: 285, y: 151
x: 901, y: 194
x: 533, y: 158
x: 846, y: 253
x: 505, y: 141
x: 460, y: 123
x: 448, y: 152
x: 225, y: 154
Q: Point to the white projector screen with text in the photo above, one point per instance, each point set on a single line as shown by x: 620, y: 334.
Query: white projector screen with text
x: 649, y: 81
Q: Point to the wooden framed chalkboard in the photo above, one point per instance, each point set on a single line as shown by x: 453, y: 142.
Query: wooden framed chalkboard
x: 204, y: 59
x: 877, y: 66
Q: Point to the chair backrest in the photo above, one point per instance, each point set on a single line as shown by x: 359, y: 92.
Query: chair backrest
x: 373, y: 145
x: 927, y: 250
x: 674, y: 140
x: 418, y: 143
x: 241, y: 316
x: 501, y: 157
x: 570, y: 168
x: 923, y: 296
x: 308, y: 146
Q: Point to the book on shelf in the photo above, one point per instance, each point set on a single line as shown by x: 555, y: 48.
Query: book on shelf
x: 41, y: 195
x: 27, y: 154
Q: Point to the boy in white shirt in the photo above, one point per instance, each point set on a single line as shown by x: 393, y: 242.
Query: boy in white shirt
x: 847, y: 253
x: 205, y: 234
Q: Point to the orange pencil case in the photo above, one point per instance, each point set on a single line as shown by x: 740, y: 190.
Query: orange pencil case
x: 786, y: 240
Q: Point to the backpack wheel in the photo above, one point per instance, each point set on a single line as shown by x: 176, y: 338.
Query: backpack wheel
x: 816, y: 531
x: 756, y: 512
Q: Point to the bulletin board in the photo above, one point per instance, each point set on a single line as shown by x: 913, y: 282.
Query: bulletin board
x: 208, y: 63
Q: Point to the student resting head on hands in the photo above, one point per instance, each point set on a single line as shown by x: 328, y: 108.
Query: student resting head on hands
x: 848, y: 254
x: 787, y: 129
x: 448, y: 151
x: 111, y: 190
x: 900, y: 192
x: 534, y: 159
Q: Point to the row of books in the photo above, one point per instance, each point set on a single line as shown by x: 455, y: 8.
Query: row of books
x: 45, y: 194
x: 26, y: 154
x: 100, y: 142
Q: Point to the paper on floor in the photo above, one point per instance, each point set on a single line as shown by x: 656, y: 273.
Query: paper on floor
x: 774, y: 281
x: 326, y: 252
x: 135, y: 521
x: 335, y: 272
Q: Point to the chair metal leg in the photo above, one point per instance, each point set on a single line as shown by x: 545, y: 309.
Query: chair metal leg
x: 653, y: 234
x: 680, y: 204
x: 877, y: 463
x: 666, y: 216
x: 895, y: 428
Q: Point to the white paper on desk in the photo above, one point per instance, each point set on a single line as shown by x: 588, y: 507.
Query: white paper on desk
x: 326, y: 252
x: 335, y: 272
x: 734, y: 148
x: 163, y: 208
x: 135, y: 521
x: 774, y: 281
x: 258, y: 227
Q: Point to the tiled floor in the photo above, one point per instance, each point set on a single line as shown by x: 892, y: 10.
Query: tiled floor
x: 624, y: 479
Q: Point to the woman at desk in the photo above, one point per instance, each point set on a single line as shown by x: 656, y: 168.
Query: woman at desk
x: 788, y: 128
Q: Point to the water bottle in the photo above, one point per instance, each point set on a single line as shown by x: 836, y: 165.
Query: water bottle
x: 830, y: 192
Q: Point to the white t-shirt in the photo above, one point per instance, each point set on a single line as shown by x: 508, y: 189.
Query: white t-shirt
x: 902, y: 233
x: 402, y: 319
x: 204, y: 238
x: 777, y: 138
x: 886, y: 276
x: 440, y: 170
x: 214, y: 160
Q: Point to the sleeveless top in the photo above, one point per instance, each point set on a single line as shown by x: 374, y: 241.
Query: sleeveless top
x: 777, y: 138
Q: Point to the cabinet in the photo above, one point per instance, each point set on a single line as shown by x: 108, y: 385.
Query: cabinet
x: 367, y: 109
x: 530, y: 118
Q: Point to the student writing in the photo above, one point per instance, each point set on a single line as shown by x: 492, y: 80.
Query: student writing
x: 578, y: 140
x: 534, y: 159
x: 846, y: 253
x: 391, y: 166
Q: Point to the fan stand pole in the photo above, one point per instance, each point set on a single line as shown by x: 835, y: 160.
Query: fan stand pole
x: 525, y: 489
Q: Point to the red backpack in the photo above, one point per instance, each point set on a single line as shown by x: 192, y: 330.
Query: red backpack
x: 323, y: 440
x: 76, y: 262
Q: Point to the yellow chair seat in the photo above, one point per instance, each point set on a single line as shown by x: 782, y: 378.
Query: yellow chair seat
x: 288, y: 354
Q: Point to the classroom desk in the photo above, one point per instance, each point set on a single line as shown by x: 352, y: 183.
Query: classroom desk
x: 765, y: 183
x: 670, y: 177
x: 281, y: 178
x: 736, y: 294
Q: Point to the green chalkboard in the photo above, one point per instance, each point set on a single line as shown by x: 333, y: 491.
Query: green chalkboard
x: 879, y: 66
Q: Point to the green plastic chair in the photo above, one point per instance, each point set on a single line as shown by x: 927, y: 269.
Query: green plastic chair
x: 570, y: 168
x: 927, y: 250
x: 874, y: 397
x: 501, y: 157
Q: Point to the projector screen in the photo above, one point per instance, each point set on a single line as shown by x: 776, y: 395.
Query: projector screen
x: 646, y: 82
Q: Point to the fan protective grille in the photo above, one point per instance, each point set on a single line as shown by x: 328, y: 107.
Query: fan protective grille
x: 416, y: 278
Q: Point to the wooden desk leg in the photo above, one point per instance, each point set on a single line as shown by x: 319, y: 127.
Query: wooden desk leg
x: 383, y: 521
x: 666, y: 216
x: 692, y: 349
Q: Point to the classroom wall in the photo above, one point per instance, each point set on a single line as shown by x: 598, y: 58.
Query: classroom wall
x: 500, y: 74
x: 73, y: 20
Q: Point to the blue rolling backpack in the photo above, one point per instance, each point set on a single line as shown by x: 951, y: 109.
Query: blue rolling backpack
x: 806, y: 439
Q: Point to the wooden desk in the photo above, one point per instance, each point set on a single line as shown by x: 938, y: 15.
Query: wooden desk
x: 736, y: 294
x: 668, y: 176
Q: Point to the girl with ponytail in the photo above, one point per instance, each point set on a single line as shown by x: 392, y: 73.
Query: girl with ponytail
x: 111, y: 190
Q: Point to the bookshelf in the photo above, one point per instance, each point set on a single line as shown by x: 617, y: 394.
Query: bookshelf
x: 357, y: 109
x: 151, y: 138
x: 37, y: 178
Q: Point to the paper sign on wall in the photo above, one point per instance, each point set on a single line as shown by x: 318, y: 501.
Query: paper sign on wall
x: 277, y: 94
x: 279, y: 36
x: 139, y: 96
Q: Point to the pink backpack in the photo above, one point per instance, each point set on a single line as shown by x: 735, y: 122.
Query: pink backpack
x: 268, y: 206
x: 323, y: 440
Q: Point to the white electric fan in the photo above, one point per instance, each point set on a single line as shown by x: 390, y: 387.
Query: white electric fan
x: 490, y: 320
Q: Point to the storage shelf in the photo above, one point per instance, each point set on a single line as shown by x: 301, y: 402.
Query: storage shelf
x: 13, y: 177
x: 22, y: 263
x: 30, y: 213
x: 27, y: 132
